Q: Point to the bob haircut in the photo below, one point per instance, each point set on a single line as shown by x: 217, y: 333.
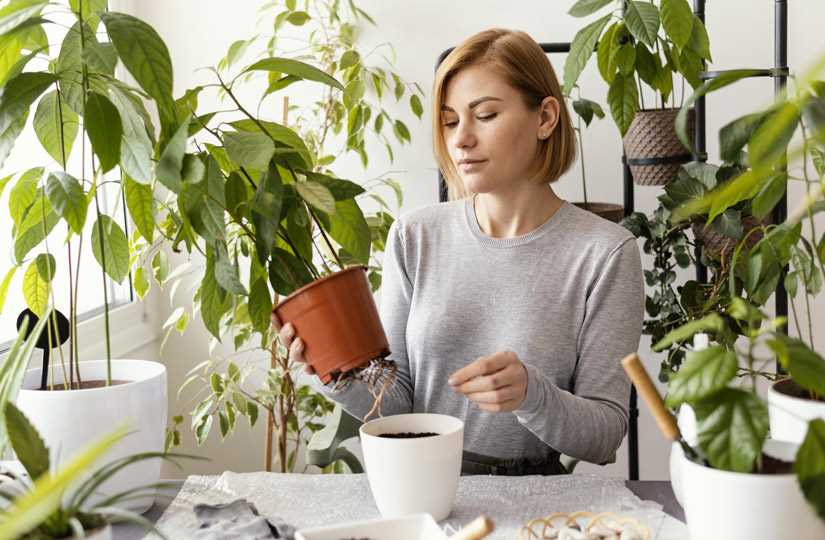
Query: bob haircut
x: 516, y: 57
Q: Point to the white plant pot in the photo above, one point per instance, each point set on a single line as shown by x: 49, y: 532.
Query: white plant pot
x: 412, y: 476
x: 686, y: 419
x: 736, y: 506
x: 69, y: 420
x: 790, y: 415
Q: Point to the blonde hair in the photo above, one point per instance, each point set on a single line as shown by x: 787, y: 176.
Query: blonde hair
x: 516, y: 57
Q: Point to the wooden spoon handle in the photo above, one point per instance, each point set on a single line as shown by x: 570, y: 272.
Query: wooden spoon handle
x: 475, y: 530
x: 637, y: 373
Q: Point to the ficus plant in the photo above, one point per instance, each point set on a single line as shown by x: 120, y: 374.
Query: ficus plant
x: 638, y: 42
x: 97, y: 130
x: 720, y: 382
x: 257, y: 196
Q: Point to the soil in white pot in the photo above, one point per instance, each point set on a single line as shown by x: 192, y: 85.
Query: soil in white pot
x: 407, y: 435
x: 789, y: 388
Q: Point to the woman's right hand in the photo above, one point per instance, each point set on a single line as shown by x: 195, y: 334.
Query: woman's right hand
x: 294, y: 345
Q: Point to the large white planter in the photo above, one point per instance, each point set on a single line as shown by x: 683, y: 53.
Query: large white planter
x: 686, y: 420
x: 412, y: 476
x: 790, y: 415
x: 68, y: 420
x: 736, y: 506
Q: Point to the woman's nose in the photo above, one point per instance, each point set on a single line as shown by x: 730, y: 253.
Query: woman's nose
x: 463, y: 136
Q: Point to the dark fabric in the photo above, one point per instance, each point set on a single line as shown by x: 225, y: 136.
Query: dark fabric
x: 473, y: 463
x: 238, y: 519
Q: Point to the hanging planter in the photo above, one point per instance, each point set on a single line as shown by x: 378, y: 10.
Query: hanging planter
x: 652, y: 150
x: 715, y: 242
x: 338, y: 322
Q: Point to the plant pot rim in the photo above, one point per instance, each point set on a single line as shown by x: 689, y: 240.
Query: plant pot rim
x: 732, y: 475
x: 318, y: 282
x: 452, y: 431
x: 659, y: 109
x: 778, y: 387
x: 158, y: 370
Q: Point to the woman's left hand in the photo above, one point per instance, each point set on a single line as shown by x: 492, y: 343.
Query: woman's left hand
x: 498, y: 383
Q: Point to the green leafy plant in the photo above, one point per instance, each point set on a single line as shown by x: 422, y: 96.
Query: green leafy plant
x: 638, y: 42
x: 720, y: 382
x: 79, y: 107
x: 39, y: 506
x: 260, y: 201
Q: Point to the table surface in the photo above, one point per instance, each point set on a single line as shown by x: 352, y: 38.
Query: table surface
x: 652, y: 490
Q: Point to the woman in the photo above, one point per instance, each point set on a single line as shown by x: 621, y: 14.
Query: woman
x: 507, y: 307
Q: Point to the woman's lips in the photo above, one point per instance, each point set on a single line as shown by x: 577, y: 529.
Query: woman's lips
x: 471, y: 166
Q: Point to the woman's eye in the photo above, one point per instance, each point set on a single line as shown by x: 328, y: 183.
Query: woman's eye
x: 449, y: 124
x: 487, y: 116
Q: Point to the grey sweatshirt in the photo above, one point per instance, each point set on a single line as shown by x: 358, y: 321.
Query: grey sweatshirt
x: 567, y: 298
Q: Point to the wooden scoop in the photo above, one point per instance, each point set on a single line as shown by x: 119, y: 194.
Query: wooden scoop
x: 667, y: 424
x: 475, y: 530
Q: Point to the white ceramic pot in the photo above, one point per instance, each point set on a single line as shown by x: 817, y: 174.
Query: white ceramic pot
x: 790, y: 415
x: 411, y: 476
x: 736, y: 506
x: 686, y: 419
x: 68, y: 420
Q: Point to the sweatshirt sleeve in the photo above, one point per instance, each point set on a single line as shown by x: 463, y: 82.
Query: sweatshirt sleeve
x: 590, y: 422
x: 395, y: 296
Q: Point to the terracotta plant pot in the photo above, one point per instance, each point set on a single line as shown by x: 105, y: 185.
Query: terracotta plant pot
x: 338, y: 322
x: 652, y: 149
x: 608, y: 211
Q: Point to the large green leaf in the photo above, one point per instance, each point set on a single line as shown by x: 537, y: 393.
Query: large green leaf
x: 286, y: 272
x: 260, y: 305
x: 81, y: 49
x: 35, y: 290
x: 699, y: 42
x: 317, y: 195
x: 287, y: 66
x: 103, y: 125
x: 581, y: 48
x: 285, y: 137
x: 677, y: 20
x: 115, y: 248
x: 810, y: 466
x: 226, y: 273
x: 732, y: 426
x: 55, y: 125
x: 145, y: 55
x: 204, y: 202
x: 23, y: 193
x: 266, y: 211
x: 135, y: 146
x: 4, y: 286
x: 770, y: 141
x: 249, y: 149
x: 350, y: 229
x: 26, y: 442
x: 642, y: 20
x: 17, y: 96
x: 604, y: 52
x: 709, y: 323
x: 623, y: 98
x: 770, y: 194
x: 91, y: 10
x: 735, y: 135
x: 583, y: 8
x: 141, y: 205
x: 15, y: 13
x: 214, y: 302
x: 171, y: 160
x: 705, y: 372
x: 340, y: 189
x: 806, y: 367
x: 38, y: 223
x: 68, y: 199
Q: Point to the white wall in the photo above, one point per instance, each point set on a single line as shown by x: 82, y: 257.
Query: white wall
x: 741, y: 32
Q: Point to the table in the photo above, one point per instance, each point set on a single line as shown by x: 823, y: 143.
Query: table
x: 657, y: 491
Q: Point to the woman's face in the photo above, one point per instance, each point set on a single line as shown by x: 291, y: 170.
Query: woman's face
x: 491, y: 134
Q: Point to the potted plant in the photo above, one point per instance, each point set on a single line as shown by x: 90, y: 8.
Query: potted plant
x: 276, y: 209
x: 50, y: 206
x: 585, y: 110
x: 781, y: 481
x: 630, y: 50
x: 42, y: 501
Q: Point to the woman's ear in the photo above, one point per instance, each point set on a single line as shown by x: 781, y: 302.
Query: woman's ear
x: 548, y: 117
